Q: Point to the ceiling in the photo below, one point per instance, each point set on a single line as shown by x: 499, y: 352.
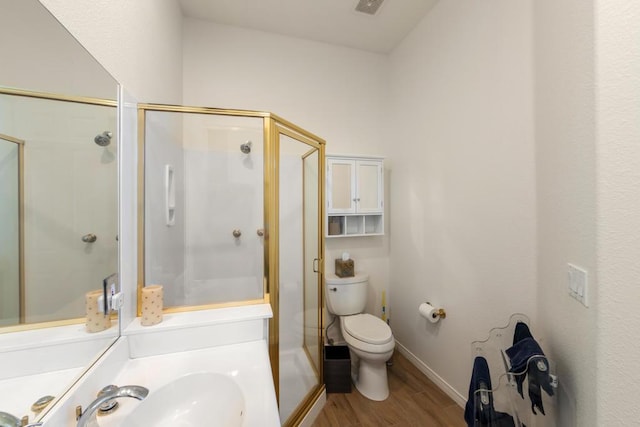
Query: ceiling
x: 329, y: 21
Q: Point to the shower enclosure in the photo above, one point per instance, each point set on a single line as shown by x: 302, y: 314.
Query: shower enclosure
x: 232, y: 208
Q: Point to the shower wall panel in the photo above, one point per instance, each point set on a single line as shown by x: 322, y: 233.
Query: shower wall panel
x: 164, y: 245
x: 224, y: 193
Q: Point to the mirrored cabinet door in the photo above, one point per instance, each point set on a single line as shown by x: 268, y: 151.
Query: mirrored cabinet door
x: 341, y: 187
x: 369, y: 186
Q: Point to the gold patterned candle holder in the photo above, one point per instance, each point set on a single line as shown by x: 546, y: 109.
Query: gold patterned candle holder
x: 96, y: 320
x: 151, y: 305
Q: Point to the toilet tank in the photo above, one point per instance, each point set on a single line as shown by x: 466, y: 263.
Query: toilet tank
x: 346, y: 295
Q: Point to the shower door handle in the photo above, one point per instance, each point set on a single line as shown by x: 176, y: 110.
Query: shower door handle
x: 316, y: 264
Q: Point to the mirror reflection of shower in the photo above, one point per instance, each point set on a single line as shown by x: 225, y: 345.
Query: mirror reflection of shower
x: 104, y: 140
x: 11, y: 230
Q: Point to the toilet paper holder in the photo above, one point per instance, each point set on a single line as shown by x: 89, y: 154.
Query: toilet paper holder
x: 440, y: 313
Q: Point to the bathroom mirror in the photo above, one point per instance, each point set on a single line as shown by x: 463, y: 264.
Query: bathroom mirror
x: 58, y: 202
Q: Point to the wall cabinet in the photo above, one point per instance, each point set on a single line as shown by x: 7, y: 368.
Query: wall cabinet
x: 355, y: 196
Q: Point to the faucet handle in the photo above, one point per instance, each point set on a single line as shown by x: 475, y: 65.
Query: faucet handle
x: 24, y: 422
x: 41, y: 403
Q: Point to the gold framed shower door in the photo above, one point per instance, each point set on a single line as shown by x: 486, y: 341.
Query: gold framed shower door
x: 273, y: 127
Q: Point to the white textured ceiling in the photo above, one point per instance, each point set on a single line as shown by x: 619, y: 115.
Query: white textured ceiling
x: 330, y: 21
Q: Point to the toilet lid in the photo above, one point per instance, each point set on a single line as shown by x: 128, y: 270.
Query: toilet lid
x: 367, y: 328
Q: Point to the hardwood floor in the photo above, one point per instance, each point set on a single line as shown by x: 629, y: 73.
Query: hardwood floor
x: 414, y: 400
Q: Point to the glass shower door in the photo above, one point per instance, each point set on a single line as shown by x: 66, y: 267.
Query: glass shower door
x: 204, y: 217
x: 299, y: 366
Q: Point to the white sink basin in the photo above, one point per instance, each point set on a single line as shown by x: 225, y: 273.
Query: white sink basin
x: 198, y: 399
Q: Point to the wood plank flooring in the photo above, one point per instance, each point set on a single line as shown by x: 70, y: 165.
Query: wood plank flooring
x: 414, y: 400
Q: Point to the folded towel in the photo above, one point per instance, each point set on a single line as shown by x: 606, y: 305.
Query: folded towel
x: 521, y: 352
x: 525, y: 356
x: 476, y: 413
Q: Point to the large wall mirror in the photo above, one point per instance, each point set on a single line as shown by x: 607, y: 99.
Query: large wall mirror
x: 59, y: 208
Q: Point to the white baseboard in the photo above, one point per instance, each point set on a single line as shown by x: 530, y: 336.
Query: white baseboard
x: 431, y: 374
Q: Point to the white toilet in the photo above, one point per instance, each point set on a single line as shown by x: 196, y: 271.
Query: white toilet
x: 367, y: 336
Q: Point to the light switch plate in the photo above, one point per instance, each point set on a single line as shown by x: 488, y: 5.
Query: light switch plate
x: 577, y: 283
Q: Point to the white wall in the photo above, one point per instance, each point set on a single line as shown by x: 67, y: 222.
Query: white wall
x: 566, y: 191
x: 335, y: 92
x: 617, y: 49
x: 138, y: 42
x: 461, y: 154
x: 42, y: 56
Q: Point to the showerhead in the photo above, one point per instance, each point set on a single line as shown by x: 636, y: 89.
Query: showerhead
x: 246, y: 147
x: 369, y: 6
x: 103, y: 139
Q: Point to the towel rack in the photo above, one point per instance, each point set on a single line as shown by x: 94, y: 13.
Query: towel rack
x: 503, y: 393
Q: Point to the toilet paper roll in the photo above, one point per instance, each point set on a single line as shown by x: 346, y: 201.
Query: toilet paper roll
x: 96, y: 320
x: 151, y: 305
x: 429, y: 312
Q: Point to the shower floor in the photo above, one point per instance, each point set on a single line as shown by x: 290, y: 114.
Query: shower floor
x: 297, y: 378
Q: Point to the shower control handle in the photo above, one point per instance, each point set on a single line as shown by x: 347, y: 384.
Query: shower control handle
x: 89, y: 238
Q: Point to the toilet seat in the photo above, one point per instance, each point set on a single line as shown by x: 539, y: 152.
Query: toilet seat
x: 367, y: 328
x: 359, y: 330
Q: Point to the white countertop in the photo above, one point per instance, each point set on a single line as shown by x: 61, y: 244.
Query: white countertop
x: 191, y: 319
x: 246, y: 363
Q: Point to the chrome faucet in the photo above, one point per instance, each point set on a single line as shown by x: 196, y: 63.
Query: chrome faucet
x: 8, y: 420
x: 88, y: 417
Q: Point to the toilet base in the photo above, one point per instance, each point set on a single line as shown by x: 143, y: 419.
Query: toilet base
x: 371, y: 381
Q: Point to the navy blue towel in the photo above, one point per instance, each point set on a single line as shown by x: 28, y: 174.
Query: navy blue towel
x: 477, y: 414
x: 525, y: 354
x: 521, y: 352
